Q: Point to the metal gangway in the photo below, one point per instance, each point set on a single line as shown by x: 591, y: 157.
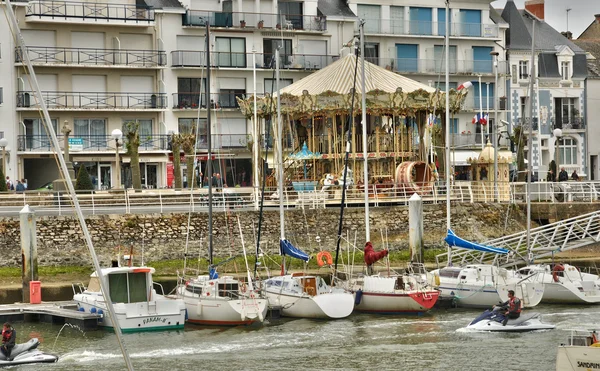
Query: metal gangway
x: 546, y: 241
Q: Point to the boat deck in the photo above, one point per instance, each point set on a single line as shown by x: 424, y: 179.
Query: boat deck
x: 56, y: 312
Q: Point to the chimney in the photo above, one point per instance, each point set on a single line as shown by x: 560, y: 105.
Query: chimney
x: 536, y: 7
x: 597, y: 18
x: 567, y: 34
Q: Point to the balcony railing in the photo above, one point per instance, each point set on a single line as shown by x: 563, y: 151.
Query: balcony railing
x: 71, y: 11
x: 289, y: 22
x: 189, y: 58
x: 576, y: 123
x: 425, y: 28
x: 437, y: 66
x: 95, y: 57
x: 94, y: 101
x: 222, y: 141
x: 91, y: 143
x: 219, y: 100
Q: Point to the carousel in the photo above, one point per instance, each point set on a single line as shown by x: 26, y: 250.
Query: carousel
x: 315, y: 112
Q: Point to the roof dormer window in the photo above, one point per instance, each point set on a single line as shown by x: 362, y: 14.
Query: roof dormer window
x: 565, y: 70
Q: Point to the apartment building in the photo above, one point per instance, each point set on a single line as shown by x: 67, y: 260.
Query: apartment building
x: 409, y: 38
x: 559, y: 70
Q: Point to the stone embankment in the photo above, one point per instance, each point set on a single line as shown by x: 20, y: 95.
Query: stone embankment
x: 162, y: 237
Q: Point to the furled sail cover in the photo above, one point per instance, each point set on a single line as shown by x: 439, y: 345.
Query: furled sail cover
x: 286, y: 248
x: 372, y: 256
x: 453, y: 240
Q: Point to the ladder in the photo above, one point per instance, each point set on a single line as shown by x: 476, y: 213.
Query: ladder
x: 546, y: 241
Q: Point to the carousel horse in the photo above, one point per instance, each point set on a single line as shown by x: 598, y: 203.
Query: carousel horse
x: 329, y: 180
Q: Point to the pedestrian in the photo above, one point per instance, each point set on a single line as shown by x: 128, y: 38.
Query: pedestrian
x: 213, y: 180
x: 24, y: 181
x: 9, y: 184
x: 550, y: 176
x: 20, y: 187
x: 563, y: 176
x: 219, y: 181
x: 574, y: 176
x: 184, y: 180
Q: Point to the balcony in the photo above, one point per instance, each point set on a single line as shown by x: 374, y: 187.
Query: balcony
x: 223, y: 141
x: 220, y: 100
x: 572, y: 123
x: 81, y: 101
x: 91, y: 143
x: 437, y: 66
x: 256, y: 21
x: 301, y: 62
x: 42, y: 56
x: 425, y: 28
x: 89, y: 13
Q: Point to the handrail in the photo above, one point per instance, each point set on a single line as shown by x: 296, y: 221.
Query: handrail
x: 94, y: 100
x: 92, y: 56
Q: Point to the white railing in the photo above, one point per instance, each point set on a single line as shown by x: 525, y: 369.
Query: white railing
x: 247, y: 198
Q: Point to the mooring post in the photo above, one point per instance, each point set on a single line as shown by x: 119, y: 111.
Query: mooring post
x: 28, y: 249
x: 415, y: 228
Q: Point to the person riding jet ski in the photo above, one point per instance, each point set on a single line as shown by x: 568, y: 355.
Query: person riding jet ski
x: 9, y: 338
x: 510, y: 308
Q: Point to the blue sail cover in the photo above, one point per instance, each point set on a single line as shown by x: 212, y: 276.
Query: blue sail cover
x: 453, y: 240
x: 286, y: 248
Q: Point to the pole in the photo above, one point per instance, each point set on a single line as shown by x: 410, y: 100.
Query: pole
x: 487, y: 108
x: 447, y: 142
x: 495, y: 134
x: 71, y: 188
x: 4, y: 162
x: 481, y: 113
x: 209, y: 167
x: 117, y: 166
x: 530, y: 147
x: 364, y: 135
x: 255, y: 145
x: 28, y: 250
x: 279, y: 157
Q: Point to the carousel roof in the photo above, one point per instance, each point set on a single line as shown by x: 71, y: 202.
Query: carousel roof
x: 338, y: 78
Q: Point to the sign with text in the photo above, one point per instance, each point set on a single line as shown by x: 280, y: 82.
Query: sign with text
x: 75, y: 144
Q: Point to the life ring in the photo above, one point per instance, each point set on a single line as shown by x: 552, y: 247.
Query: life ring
x: 557, y: 268
x: 327, y: 256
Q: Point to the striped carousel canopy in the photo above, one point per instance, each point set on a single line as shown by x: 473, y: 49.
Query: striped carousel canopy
x: 338, y: 78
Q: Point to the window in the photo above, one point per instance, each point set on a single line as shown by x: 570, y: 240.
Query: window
x: 482, y: 60
x: 397, y: 20
x: 487, y: 96
x: 144, y: 131
x: 523, y: 70
x: 439, y: 59
x: 270, y: 84
x: 565, y: 111
x: 407, y: 57
x: 442, y: 85
x: 92, y: 131
x: 36, y: 136
x: 565, y: 70
x: 1, y: 96
x: 453, y: 126
x: 231, y: 52
x: 470, y: 23
x: 291, y: 13
x: 420, y: 21
x: 372, y: 16
x: 227, y: 97
x: 372, y: 53
x: 442, y: 22
x: 285, y: 52
x: 189, y: 91
x: 185, y: 127
x: 568, y: 151
x: 523, y: 108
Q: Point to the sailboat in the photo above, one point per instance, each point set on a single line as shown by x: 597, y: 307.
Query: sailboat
x: 211, y: 299
x: 397, y: 293
x: 301, y: 295
x: 483, y: 285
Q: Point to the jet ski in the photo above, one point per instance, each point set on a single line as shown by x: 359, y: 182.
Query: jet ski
x: 27, y: 353
x: 491, y: 320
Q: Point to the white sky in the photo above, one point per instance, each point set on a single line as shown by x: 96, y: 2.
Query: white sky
x: 580, y: 17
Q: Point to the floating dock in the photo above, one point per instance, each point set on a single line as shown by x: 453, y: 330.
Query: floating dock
x: 56, y: 313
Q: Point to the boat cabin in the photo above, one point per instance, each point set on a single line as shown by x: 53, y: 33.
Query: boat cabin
x: 125, y: 284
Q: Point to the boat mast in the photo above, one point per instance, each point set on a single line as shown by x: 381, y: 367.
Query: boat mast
x: 530, y: 145
x: 69, y: 184
x: 364, y: 130
x: 447, y: 141
x: 280, y: 158
x: 209, y: 169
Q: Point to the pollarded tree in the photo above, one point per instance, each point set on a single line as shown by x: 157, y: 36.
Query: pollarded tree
x: 132, y: 132
x: 188, y: 143
x: 520, y: 140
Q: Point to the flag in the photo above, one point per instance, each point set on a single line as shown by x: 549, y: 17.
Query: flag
x: 464, y: 85
x: 482, y: 119
x: 430, y: 119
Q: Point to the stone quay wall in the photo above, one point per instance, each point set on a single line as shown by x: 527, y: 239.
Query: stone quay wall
x: 163, y: 236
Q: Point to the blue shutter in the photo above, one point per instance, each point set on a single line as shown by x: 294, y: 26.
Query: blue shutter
x: 420, y: 21
x: 442, y: 22
x: 470, y: 23
x: 484, y: 96
x: 482, y: 60
x: 407, y: 57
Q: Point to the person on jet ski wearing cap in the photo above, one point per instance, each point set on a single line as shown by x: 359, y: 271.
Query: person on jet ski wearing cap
x: 511, y: 307
x: 9, y: 337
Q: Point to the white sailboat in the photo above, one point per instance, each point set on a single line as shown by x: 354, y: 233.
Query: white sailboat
x: 301, y: 295
x: 374, y: 293
x: 581, y: 352
x: 210, y: 299
x: 138, y: 307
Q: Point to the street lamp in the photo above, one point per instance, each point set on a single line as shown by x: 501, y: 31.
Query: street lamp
x: 4, y: 144
x: 117, y: 135
x: 557, y: 134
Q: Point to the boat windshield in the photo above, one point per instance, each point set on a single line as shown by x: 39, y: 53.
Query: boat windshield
x: 450, y: 272
x: 94, y: 285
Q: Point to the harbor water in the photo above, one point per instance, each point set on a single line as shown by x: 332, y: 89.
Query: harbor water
x: 360, y: 342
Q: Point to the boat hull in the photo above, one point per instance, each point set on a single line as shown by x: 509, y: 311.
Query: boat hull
x: 391, y: 303
x: 223, y: 312
x: 470, y: 296
x: 333, y: 305
x: 577, y: 358
x: 567, y: 293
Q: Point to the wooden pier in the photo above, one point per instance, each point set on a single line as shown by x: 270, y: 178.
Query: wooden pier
x: 56, y: 313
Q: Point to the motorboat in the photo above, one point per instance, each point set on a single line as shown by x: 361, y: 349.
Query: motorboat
x: 138, y: 307
x: 27, y: 353
x: 564, y: 283
x: 484, y: 285
x: 306, y: 296
x: 222, y: 301
x: 581, y: 352
x: 491, y: 320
